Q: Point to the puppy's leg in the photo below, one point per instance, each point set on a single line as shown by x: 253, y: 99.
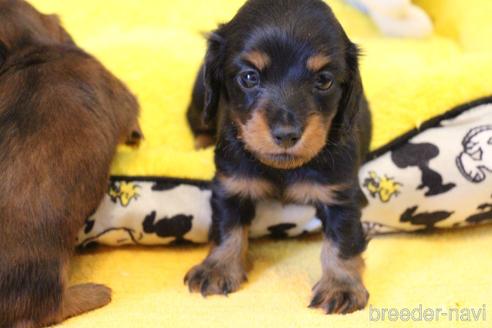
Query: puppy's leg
x: 45, y: 300
x: 224, y: 269
x: 204, y: 133
x: 83, y: 298
x: 340, y: 289
x: 78, y: 299
x: 25, y: 324
x: 30, y: 287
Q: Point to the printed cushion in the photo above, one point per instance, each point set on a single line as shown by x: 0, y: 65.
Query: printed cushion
x: 436, y: 176
x: 422, y: 180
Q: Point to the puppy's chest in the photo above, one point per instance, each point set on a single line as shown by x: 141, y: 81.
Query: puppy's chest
x: 300, y: 191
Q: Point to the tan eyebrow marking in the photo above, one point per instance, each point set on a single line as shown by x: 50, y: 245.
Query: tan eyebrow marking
x: 317, y: 62
x: 258, y: 58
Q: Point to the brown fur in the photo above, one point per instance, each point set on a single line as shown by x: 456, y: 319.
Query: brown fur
x: 307, y: 192
x: 61, y: 116
x: 21, y: 23
x: 224, y: 269
x: 340, y: 289
x: 246, y: 187
x: 255, y: 133
x: 258, y: 58
x: 301, y: 192
x: 317, y: 62
x: 203, y: 141
x: 83, y: 298
x: 257, y: 137
x: 77, y: 300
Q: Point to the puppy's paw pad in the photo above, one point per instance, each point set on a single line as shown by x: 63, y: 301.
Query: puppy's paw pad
x: 209, y: 279
x: 339, y: 298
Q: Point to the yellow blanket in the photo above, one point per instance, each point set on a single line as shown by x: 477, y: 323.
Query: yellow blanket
x: 156, y: 46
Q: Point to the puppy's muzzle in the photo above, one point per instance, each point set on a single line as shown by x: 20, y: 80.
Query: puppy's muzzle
x: 286, y: 136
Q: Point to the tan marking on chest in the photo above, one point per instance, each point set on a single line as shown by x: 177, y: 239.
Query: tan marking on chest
x: 307, y: 192
x: 254, y: 188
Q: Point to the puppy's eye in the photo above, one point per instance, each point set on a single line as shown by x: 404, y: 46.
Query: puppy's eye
x: 249, y: 79
x: 324, y: 81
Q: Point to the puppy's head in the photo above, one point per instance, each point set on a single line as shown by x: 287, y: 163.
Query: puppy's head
x: 289, y: 76
x: 21, y: 25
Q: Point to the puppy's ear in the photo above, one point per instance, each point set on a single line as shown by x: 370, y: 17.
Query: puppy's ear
x: 213, y: 75
x: 55, y: 28
x: 353, y: 93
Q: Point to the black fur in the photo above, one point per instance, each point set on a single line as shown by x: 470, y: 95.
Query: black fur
x: 3, y: 53
x: 289, y: 31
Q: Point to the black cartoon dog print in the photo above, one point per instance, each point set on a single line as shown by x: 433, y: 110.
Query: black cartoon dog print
x: 281, y: 231
x: 426, y: 219
x: 90, y: 222
x: 176, y: 226
x: 168, y: 184
x: 419, y: 155
x: 485, y: 214
x: 89, y: 225
x: 476, y: 159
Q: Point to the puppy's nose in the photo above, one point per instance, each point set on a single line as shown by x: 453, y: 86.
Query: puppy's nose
x: 286, y: 136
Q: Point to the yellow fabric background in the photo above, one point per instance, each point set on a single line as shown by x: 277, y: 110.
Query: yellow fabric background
x: 155, y: 46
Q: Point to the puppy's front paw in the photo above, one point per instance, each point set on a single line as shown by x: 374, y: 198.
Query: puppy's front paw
x: 340, y: 297
x: 214, y: 279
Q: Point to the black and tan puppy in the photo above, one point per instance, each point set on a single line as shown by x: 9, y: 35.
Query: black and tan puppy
x: 61, y: 116
x: 282, y: 97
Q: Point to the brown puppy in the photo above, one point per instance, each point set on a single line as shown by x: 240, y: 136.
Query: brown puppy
x: 61, y: 116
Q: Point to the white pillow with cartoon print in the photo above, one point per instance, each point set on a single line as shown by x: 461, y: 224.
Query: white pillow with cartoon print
x: 437, y: 176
